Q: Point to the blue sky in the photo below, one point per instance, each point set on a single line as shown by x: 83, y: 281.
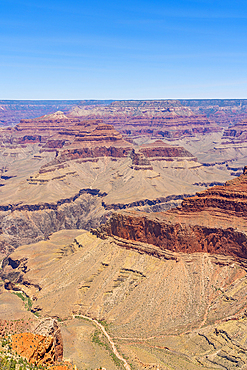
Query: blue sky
x: 123, y: 49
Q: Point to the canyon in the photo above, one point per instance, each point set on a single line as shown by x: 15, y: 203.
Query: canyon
x: 123, y: 225
x: 59, y: 171
x: 214, y: 221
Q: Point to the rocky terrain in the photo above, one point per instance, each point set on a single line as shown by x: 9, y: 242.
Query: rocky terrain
x: 150, y: 119
x: 236, y: 134
x: 62, y: 172
x: 223, y: 112
x: 214, y: 221
x: 28, y: 345
x: 229, y: 148
x: 162, y: 309
x: 160, y: 281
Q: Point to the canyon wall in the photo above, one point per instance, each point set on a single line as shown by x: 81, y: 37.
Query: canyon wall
x: 213, y: 221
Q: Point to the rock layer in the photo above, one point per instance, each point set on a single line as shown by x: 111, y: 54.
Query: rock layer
x: 159, y: 118
x: 201, y: 224
x: 236, y: 134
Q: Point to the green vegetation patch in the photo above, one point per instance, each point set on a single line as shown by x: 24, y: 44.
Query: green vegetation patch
x: 9, y: 360
x: 99, y: 338
x: 27, y: 300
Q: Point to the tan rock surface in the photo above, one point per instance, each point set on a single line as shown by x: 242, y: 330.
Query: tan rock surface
x: 139, y: 295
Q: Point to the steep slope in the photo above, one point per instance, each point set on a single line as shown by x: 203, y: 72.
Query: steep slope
x: 169, y: 287
x: 214, y: 221
x: 171, y: 309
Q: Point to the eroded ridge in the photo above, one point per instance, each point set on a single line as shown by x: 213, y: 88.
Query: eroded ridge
x: 214, y: 221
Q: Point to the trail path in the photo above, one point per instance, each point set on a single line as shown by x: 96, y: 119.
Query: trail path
x: 114, y: 349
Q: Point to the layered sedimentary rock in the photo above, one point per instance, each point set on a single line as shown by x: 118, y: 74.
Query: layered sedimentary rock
x: 231, y: 149
x: 60, y: 171
x: 230, y: 199
x: 160, y: 150
x: 224, y: 112
x: 164, y: 118
x: 213, y: 221
x: 236, y: 134
x: 51, y: 129
x: 57, y: 130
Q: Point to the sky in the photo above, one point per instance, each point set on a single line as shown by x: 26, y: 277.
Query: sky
x: 142, y: 49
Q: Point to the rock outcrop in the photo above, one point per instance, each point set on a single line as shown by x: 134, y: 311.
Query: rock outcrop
x: 12, y: 111
x: 36, y: 349
x: 214, y: 221
x: 186, y: 309
x: 49, y: 328
x: 28, y: 223
x: 221, y: 111
x: 39, y: 344
x: 158, y: 150
x: 230, y: 199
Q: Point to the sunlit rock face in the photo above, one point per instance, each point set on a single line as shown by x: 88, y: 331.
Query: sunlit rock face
x: 213, y: 221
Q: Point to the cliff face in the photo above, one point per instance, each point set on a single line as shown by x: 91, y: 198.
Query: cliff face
x: 74, y: 171
x: 12, y: 111
x: 160, y: 150
x: 28, y: 223
x: 221, y: 111
x: 175, y: 236
x: 204, y: 223
x: 230, y: 199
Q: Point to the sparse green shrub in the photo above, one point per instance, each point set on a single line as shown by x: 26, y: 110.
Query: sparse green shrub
x: 20, y: 295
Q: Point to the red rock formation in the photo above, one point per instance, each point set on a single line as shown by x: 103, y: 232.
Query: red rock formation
x: 56, y: 126
x: 54, y: 129
x: 164, y: 151
x: 214, y: 221
x: 37, y: 349
x: 76, y: 134
x: 39, y: 344
x: 230, y: 199
x: 102, y: 151
x: 101, y: 133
